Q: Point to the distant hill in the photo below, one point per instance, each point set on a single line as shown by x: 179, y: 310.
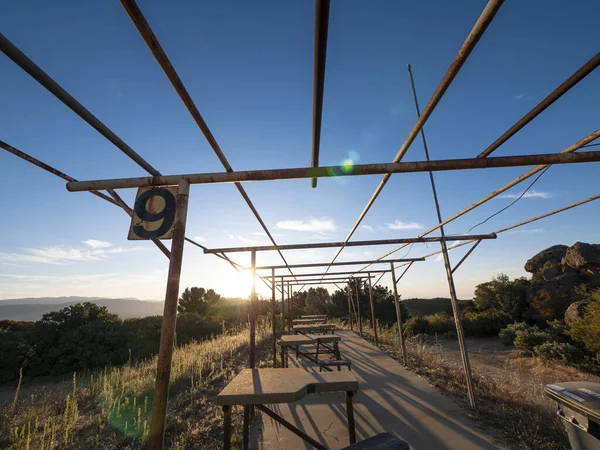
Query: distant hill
x: 31, y: 309
x: 426, y: 306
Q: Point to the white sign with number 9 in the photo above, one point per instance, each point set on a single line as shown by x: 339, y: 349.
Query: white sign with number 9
x: 153, y: 213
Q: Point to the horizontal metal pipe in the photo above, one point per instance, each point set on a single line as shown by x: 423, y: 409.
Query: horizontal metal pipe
x: 333, y: 274
x: 329, y: 280
x: 265, y: 248
x: 321, y: 282
x: 571, y: 149
x: 21, y: 60
x: 579, y: 75
x: 343, y: 263
x: 337, y: 171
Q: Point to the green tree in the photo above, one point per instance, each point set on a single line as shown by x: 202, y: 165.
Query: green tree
x: 586, y: 331
x: 317, y: 300
x: 503, y: 294
x: 197, y: 300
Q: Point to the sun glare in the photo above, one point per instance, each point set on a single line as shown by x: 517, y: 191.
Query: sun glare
x: 239, y: 284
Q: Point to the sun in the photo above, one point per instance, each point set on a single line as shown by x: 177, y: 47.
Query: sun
x: 239, y: 284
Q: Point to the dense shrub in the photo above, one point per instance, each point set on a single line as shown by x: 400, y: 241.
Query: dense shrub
x: 528, y: 339
x: 87, y: 336
x: 485, y: 323
x: 416, y: 326
x: 586, y: 331
x: 561, y: 351
x: 509, y: 334
x: 192, y: 327
x: 440, y: 323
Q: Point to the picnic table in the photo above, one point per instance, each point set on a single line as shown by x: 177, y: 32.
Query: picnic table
x: 329, y: 342
x: 314, y: 328
x: 314, y: 316
x: 258, y: 387
x: 308, y: 321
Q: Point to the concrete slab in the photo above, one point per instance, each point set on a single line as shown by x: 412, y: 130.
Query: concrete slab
x: 389, y: 399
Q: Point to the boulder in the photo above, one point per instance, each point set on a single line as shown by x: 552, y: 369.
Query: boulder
x: 551, y: 273
x: 576, y: 310
x: 583, y: 257
x: 554, y: 255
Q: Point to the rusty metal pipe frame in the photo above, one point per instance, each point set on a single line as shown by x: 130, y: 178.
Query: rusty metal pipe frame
x: 544, y: 159
x: 569, y: 150
x: 350, y: 244
x: 461, y: 57
x: 320, y: 59
x: 344, y: 263
x: 334, y: 274
x: 167, y: 334
x: 329, y: 280
x: 579, y: 75
x: 449, y: 276
x: 141, y: 24
x: 463, y: 259
x: 21, y: 60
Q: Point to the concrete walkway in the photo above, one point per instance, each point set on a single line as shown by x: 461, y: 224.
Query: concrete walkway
x: 390, y: 399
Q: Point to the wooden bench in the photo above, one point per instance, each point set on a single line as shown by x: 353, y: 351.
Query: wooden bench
x: 339, y: 363
x: 382, y: 441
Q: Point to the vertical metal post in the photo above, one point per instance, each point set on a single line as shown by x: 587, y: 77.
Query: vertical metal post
x: 282, y: 307
x: 399, y: 317
x: 373, y: 312
x: 358, y: 307
x: 167, y: 333
x: 273, y: 314
x: 451, y: 287
x: 349, y: 307
x: 289, y: 309
x: 253, y: 312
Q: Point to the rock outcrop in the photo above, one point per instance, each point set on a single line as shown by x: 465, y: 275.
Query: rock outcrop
x: 583, y: 257
x: 553, y: 255
x: 576, y: 310
x: 565, y: 272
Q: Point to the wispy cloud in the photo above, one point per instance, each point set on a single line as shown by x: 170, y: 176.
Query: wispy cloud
x: 97, y: 244
x: 530, y: 230
x: 262, y: 233
x: 244, y: 240
x: 368, y: 228
x: 61, y: 254
x: 529, y: 194
x: 520, y: 96
x: 399, y: 225
x: 318, y: 225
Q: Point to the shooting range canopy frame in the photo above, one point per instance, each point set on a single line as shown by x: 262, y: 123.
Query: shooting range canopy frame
x: 285, y: 283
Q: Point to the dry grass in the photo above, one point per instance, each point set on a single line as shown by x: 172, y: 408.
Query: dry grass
x: 111, y: 409
x: 511, y: 401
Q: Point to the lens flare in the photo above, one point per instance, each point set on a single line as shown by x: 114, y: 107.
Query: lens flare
x: 347, y: 165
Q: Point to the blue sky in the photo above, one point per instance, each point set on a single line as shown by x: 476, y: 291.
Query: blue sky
x: 248, y: 66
